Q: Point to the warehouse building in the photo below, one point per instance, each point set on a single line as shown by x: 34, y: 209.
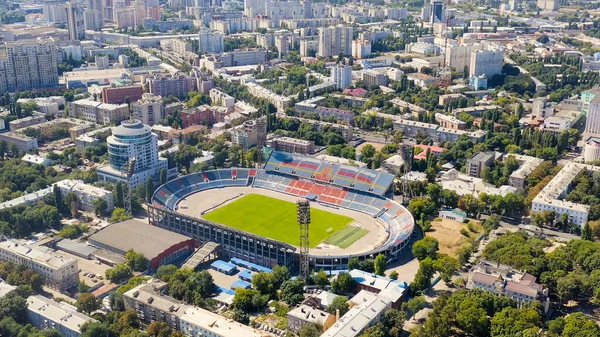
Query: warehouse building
x: 159, y: 246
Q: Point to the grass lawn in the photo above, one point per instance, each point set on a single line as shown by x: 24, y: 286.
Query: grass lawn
x: 346, y: 236
x: 276, y: 219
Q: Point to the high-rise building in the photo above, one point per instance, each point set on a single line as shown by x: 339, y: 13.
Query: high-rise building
x: 592, y: 124
x: 55, y: 12
x: 148, y: 109
x: 29, y: 65
x: 282, y: 44
x: 437, y: 11
x: 210, y: 42
x: 361, y: 48
x: 549, y: 5
x: 342, y: 76
x: 486, y: 61
x: 75, y: 21
x: 92, y: 17
x: 335, y: 40
x: 458, y: 57
x: 132, y: 139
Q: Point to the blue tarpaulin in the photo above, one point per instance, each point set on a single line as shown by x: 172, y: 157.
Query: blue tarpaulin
x: 223, y: 267
x: 240, y: 284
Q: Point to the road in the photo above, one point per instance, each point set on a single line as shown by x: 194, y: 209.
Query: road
x: 514, y: 224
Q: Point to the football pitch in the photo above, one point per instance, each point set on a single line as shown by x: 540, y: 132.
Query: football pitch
x: 276, y: 219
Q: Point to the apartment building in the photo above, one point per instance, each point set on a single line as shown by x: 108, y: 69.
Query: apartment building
x: 210, y: 42
x: 29, y: 65
x: 480, y: 160
x: 86, y: 194
x: 176, y: 85
x: 148, y: 109
x: 450, y: 122
x: 335, y: 40
x: 97, y: 112
x: 22, y: 123
x: 361, y: 48
x: 117, y: 95
x: 45, y: 313
x: 23, y: 143
x: 218, y: 97
x: 280, y: 102
x: 152, y: 305
x: 528, y: 164
x: 342, y: 76
x: 292, y: 145
x: 58, y: 272
x: 373, y: 77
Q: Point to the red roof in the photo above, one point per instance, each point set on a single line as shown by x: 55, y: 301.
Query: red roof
x: 355, y: 92
x: 434, y: 149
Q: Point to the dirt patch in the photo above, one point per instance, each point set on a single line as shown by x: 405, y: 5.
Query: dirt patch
x: 377, y: 146
x: 448, y: 233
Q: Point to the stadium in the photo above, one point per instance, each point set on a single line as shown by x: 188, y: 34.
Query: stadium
x: 251, y: 213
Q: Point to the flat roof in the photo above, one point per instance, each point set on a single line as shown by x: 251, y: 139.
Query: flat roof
x: 139, y: 236
x: 59, y: 312
x: 223, y: 266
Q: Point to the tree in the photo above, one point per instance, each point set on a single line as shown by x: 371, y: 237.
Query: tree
x: 586, y: 232
x: 118, y: 195
x: 394, y: 275
x: 310, y: 330
x: 263, y: 282
x: 380, y: 264
x: 339, y: 303
x: 158, y: 329
x: 353, y: 263
x: 136, y: 261
x: 292, y: 291
x: 423, y: 276
x: 416, y: 304
x: 100, y: 206
x: 512, y: 321
x: 165, y: 272
x: 321, y: 278
x: 87, y: 303
x: 119, y: 273
x: 343, y: 284
x: 280, y: 275
x: 57, y: 197
x: 242, y: 300
x: 426, y: 247
x: 13, y: 306
x: 72, y: 202
x: 446, y: 266
x: 149, y: 189
x: 163, y: 176
x: 119, y: 215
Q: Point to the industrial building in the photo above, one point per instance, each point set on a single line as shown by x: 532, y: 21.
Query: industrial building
x: 159, y: 246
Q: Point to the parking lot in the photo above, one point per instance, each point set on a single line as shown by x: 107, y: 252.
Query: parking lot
x: 89, y: 266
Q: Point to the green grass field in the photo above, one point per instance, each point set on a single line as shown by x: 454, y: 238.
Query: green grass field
x: 276, y: 219
x: 346, y: 236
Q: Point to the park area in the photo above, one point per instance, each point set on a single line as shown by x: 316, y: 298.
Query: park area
x: 277, y: 219
x: 452, y: 235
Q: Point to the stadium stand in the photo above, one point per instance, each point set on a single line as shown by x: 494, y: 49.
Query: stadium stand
x: 349, y: 187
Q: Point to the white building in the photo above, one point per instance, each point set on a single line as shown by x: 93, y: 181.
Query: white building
x: 149, y: 109
x: 132, y: 139
x: 361, y: 48
x: 36, y: 159
x: 220, y: 98
x: 98, y: 112
x: 86, y: 194
x: 342, y: 76
x: 528, y: 164
x: 29, y: 65
x: 551, y: 198
x: 210, y: 42
x: 335, y: 40
x: 59, y: 272
x: 591, y: 150
x: 44, y: 313
x: 458, y: 57
x: 197, y: 322
x: 549, y: 5
x: 368, y: 311
x: 280, y: 102
x: 592, y: 124
x: 487, y: 61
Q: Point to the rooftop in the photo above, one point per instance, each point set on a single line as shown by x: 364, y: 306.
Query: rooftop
x: 61, y: 313
x: 218, y: 325
x: 139, y: 236
x: 131, y: 128
x: 41, y: 255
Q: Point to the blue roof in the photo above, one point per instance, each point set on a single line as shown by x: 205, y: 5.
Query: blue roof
x: 225, y: 290
x: 240, y: 284
x: 223, y: 266
x: 250, y: 265
x: 245, y: 274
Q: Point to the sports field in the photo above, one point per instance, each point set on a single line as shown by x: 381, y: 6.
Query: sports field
x: 276, y: 219
x: 346, y: 236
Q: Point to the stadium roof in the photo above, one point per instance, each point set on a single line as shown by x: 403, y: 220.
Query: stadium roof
x: 139, y: 236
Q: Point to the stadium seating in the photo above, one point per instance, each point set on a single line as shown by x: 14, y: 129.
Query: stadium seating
x: 348, y: 187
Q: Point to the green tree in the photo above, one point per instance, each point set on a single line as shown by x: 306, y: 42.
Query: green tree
x: 136, y: 261
x: 280, y: 275
x: 119, y: 215
x: 72, y: 202
x: 13, y: 306
x: 119, y: 273
x: 339, y: 303
x: 394, y: 275
x: 446, y: 266
x: 165, y: 272
x: 380, y: 264
x: 149, y: 189
x: 87, y: 303
x: 118, y: 195
x: 423, y: 276
x: 586, y: 232
x: 310, y: 330
x: 263, y: 282
x: 343, y: 284
x: 426, y: 247
x: 353, y: 263
x: 292, y: 291
x: 416, y: 304
x: 100, y: 206
x: 321, y: 279
x: 163, y: 176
